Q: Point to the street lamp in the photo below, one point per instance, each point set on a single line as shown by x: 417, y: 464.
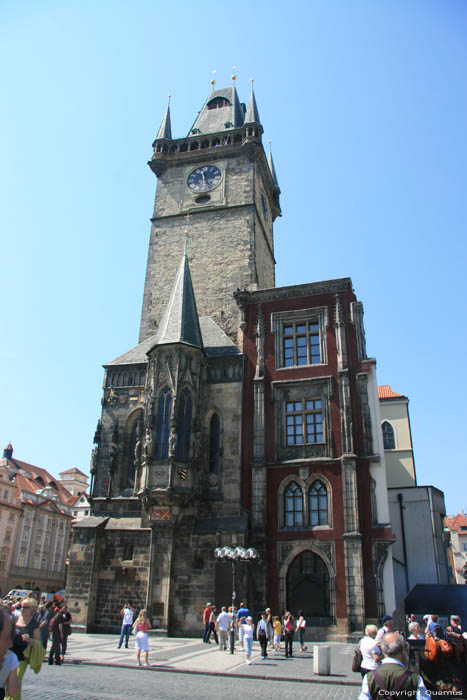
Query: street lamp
x: 233, y: 555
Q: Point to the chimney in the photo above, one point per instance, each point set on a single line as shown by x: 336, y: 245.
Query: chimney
x: 8, y: 451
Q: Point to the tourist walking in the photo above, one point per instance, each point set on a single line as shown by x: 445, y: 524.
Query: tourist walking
x: 141, y: 627
x: 26, y: 640
x: 387, y: 625
x: 277, y: 626
x: 126, y: 613
x: 223, y: 625
x: 301, y: 626
x: 44, y: 626
x: 206, y: 616
x: 56, y: 633
x: 289, y: 629
x: 262, y: 634
x: 212, y: 625
x: 270, y: 622
x: 247, y: 636
x: 67, y: 620
x: 242, y: 614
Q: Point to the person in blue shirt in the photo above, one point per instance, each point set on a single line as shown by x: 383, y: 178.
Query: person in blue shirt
x: 242, y: 614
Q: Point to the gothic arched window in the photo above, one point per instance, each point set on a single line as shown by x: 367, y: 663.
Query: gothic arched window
x: 389, y: 440
x: 318, y: 496
x: 214, y: 444
x: 164, y: 406
x: 293, y: 506
x: 185, y: 405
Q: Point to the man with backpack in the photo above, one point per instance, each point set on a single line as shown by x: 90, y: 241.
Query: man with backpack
x: 392, y: 679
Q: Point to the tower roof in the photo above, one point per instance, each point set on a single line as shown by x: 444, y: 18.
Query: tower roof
x: 180, y: 322
x: 272, y: 169
x: 252, y: 114
x: 222, y: 110
x: 165, y: 129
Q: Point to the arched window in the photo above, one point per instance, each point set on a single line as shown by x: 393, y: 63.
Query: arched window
x: 318, y: 496
x: 184, y: 426
x: 293, y: 506
x: 164, y: 406
x: 388, y: 436
x: 214, y: 444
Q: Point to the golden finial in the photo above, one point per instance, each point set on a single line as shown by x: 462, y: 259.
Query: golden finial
x: 234, y: 76
x: 213, y: 82
x: 186, y: 230
x: 252, y: 80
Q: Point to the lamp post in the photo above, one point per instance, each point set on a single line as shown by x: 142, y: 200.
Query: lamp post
x: 234, y: 555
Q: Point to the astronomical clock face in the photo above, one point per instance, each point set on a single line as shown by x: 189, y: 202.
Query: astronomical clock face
x: 204, y: 179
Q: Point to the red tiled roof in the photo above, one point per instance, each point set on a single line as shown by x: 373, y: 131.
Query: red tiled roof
x: 456, y: 523
x: 31, y: 485
x: 74, y: 470
x: 385, y: 392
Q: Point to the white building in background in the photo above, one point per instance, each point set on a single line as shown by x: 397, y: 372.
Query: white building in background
x: 416, y: 512
x: 81, y: 508
x: 74, y: 480
x: 456, y: 526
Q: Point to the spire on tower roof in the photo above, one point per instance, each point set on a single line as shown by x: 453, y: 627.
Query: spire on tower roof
x: 165, y: 130
x: 271, y: 167
x: 180, y: 322
x: 252, y: 114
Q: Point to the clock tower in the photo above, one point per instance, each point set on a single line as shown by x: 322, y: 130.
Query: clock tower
x: 219, y: 179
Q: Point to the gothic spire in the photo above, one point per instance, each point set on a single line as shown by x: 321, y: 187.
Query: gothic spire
x: 252, y: 114
x: 271, y: 167
x: 180, y: 322
x: 165, y: 130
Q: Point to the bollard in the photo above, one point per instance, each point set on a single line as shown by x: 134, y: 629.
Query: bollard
x: 322, y: 660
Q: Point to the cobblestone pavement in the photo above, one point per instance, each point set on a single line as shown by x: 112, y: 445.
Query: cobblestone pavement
x: 71, y: 682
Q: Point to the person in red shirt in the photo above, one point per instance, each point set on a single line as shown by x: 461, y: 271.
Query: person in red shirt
x: 206, y: 616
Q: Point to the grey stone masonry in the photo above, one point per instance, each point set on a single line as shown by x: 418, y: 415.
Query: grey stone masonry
x: 230, y: 230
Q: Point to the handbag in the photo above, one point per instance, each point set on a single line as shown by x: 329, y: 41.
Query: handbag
x: 357, y: 660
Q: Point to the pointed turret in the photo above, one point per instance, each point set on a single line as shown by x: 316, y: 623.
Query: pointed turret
x: 180, y: 322
x: 165, y: 130
x: 252, y: 114
x: 272, y: 169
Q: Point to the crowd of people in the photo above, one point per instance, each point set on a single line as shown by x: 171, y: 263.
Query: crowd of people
x: 270, y: 630
x: 26, y: 627
x: 383, y: 652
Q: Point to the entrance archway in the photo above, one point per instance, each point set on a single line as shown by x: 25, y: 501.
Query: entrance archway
x: 308, y: 588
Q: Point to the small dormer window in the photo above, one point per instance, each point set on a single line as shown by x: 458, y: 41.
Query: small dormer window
x: 218, y: 102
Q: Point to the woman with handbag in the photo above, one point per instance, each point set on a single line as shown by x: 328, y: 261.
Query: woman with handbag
x: 370, y: 651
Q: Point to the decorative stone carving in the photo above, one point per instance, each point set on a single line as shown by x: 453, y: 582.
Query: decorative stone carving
x: 362, y: 383
x: 93, y: 467
x: 339, y: 329
x: 260, y: 343
x: 147, y: 448
x: 356, y: 316
x: 346, y: 414
x: 98, y: 433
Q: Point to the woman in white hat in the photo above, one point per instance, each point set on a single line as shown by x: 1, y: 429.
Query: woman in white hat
x: 248, y: 638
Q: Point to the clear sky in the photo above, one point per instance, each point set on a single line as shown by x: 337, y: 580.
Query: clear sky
x: 366, y: 107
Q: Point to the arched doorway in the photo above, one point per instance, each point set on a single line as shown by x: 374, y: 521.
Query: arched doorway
x: 308, y: 588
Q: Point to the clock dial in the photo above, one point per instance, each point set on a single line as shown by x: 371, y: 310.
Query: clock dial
x: 204, y: 178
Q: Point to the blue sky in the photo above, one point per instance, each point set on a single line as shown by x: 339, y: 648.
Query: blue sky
x: 365, y: 104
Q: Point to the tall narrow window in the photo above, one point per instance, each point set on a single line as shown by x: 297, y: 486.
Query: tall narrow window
x: 293, y: 506
x: 301, y: 343
x: 164, y: 406
x: 184, y: 426
x: 318, y: 495
x: 214, y: 444
x: 388, y: 436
